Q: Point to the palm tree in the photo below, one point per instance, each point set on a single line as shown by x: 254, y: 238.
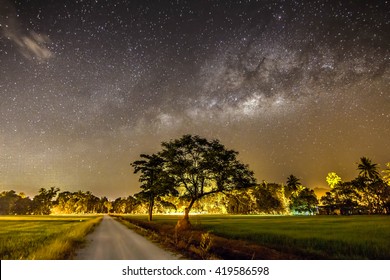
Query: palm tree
x: 293, y: 182
x: 367, y: 169
x: 292, y: 185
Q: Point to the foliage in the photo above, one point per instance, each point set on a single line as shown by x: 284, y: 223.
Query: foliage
x: 292, y: 186
x: 201, y: 168
x: 241, y: 201
x: 215, y: 187
x: 14, y: 204
x: 43, y: 201
x: 269, y: 198
x: 333, y: 179
x: 367, y: 169
x: 125, y: 205
x: 386, y: 172
x: 304, y: 201
x: 80, y: 202
x: 156, y: 182
x: 368, y: 193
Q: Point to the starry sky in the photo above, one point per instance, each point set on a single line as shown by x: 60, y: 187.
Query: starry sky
x: 297, y: 87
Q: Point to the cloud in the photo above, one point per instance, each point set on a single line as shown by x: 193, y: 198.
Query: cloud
x: 31, y: 45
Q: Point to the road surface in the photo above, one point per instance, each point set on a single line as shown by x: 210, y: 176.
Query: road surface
x: 113, y: 241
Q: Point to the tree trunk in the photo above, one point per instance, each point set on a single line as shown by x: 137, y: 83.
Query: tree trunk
x: 186, y: 214
x: 184, y: 224
x: 150, y: 210
x: 188, y: 209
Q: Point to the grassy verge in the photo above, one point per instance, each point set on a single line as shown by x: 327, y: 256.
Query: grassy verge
x: 314, y: 237
x: 43, y: 237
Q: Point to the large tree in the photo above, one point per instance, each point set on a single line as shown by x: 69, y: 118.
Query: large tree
x: 156, y: 182
x: 200, y: 167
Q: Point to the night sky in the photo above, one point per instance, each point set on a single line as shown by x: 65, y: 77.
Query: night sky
x: 297, y: 87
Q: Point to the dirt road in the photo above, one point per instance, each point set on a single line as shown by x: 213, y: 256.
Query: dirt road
x: 113, y: 241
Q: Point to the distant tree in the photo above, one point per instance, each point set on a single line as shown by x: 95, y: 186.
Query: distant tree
x: 156, y: 182
x: 269, y: 198
x: 374, y: 194
x: 367, y: 193
x: 347, y: 198
x: 333, y: 179
x: 163, y: 205
x: 105, y: 205
x: 386, y: 174
x: 371, y: 187
x: 367, y: 169
x: 200, y: 168
x: 63, y: 205
x: 12, y: 203
x: 131, y: 204
x: 241, y: 201
x: 305, y: 201
x: 125, y: 205
x: 22, y: 205
x: 7, y: 202
x: 329, y: 202
x: 213, y: 204
x: 386, y: 180
x: 292, y: 186
x: 43, y: 201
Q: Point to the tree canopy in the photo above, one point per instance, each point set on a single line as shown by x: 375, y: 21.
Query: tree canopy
x: 156, y: 182
x: 195, y: 167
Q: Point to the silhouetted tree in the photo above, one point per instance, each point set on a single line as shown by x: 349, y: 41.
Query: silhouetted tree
x: 367, y: 169
x: 329, y: 203
x: 156, y: 182
x: 292, y: 186
x: 200, y: 168
x: 12, y: 203
x: 22, y: 205
x: 43, y: 201
x: 371, y: 187
x: 269, y: 198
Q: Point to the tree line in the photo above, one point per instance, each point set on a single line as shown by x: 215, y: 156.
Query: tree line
x: 368, y: 193
x: 52, y: 201
x: 194, y: 174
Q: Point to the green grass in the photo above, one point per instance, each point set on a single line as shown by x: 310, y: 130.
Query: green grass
x: 43, y: 237
x: 324, y: 237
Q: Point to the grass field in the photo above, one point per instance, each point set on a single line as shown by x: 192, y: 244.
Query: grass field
x: 324, y: 237
x: 43, y: 237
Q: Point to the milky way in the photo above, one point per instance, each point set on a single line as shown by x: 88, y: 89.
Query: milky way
x: 297, y: 87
